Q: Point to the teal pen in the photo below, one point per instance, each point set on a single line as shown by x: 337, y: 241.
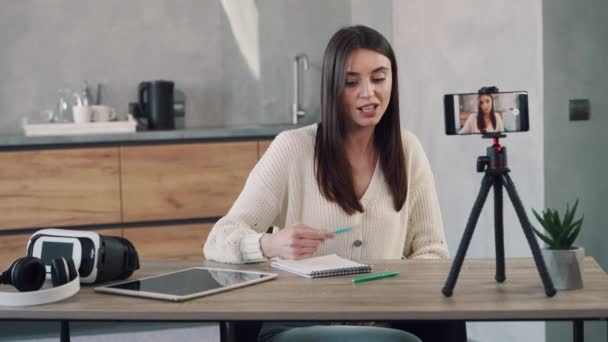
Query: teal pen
x: 375, y: 276
x: 343, y: 230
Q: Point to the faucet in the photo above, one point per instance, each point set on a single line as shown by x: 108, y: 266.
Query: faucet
x: 296, y: 111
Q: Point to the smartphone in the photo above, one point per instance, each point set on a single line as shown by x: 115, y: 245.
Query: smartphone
x: 503, y: 112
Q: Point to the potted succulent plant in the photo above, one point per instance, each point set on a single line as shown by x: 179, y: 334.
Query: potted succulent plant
x: 564, y: 261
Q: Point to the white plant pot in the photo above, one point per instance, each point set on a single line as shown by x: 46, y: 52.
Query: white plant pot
x: 565, y: 267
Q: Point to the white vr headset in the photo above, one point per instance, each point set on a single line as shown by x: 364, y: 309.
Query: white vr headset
x: 66, y: 258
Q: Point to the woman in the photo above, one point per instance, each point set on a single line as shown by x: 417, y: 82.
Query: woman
x: 356, y: 168
x: 489, y: 121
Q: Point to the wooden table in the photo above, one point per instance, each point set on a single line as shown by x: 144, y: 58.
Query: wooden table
x: 414, y: 295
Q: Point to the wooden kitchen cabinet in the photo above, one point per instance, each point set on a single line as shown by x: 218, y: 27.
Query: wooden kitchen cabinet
x: 63, y: 187
x: 14, y: 246
x: 11, y: 248
x: 181, y: 181
x: 93, y: 185
x: 169, y: 242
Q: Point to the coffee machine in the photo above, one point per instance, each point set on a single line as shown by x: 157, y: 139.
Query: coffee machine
x: 156, y: 104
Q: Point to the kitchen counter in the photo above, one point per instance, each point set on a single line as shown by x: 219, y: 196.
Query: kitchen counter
x: 20, y: 141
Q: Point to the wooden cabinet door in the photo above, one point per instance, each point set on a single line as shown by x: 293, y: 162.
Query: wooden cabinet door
x: 14, y: 246
x: 169, y: 242
x: 183, y: 181
x: 50, y: 188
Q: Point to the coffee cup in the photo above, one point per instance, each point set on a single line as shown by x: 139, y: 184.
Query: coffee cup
x: 103, y: 113
x: 81, y: 114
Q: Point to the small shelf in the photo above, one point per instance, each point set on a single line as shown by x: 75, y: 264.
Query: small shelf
x: 53, y: 129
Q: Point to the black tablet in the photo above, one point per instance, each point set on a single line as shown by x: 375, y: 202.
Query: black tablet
x: 187, y: 284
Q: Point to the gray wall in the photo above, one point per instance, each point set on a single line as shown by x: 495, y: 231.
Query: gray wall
x: 458, y: 46
x: 576, y: 66
x: 285, y: 28
x: 48, y: 45
x: 376, y: 14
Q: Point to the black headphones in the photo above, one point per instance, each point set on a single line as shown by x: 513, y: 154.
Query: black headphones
x: 28, y: 274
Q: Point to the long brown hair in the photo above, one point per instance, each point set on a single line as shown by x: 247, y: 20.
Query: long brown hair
x: 333, y: 171
x: 481, y: 122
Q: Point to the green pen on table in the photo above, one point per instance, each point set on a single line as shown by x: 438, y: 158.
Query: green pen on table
x: 375, y: 276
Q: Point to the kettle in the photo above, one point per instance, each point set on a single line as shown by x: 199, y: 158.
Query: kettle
x: 156, y: 104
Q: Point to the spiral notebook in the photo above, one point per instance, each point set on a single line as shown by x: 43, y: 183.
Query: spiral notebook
x: 323, y: 266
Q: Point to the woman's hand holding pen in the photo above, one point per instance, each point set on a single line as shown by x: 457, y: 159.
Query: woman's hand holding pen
x: 295, y: 241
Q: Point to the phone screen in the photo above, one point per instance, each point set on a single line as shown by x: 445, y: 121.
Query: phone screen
x: 473, y: 113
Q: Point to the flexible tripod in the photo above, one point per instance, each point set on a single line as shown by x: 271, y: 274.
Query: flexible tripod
x: 494, y: 164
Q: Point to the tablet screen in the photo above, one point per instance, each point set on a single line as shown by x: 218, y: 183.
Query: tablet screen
x: 190, y: 281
